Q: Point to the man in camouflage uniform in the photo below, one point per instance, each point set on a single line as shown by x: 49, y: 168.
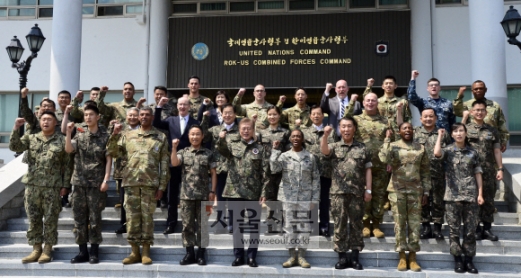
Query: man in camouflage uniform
x: 77, y: 111
x: 64, y: 99
x: 31, y: 120
x: 92, y: 167
x: 47, y: 178
x: 299, y: 191
x: 258, y: 107
x: 298, y: 115
x: 196, y: 99
x: 117, y: 110
x: 248, y: 176
x: 495, y: 117
x: 464, y: 187
x: 408, y: 190
x: 371, y: 131
x: 170, y: 108
x: 312, y: 138
x: 351, y: 187
x: 442, y: 106
x: 196, y: 162
x: 144, y: 179
x: 387, y: 104
x: 487, y: 141
x: 434, y: 210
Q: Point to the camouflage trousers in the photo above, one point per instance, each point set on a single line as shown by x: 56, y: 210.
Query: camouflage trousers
x: 42, y: 202
x: 140, y: 204
x: 297, y: 230
x: 406, y: 210
x: 344, y: 206
x: 87, y: 204
x: 466, y: 213
x: 194, y: 219
x: 271, y: 195
x: 435, y: 209
x: 486, y: 210
x: 374, y: 209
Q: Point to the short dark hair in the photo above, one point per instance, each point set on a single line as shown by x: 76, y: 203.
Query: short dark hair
x: 129, y: 83
x: 95, y: 89
x: 479, y: 81
x: 400, y: 126
x: 194, y: 77
x: 222, y: 93
x: 90, y: 102
x: 49, y: 101
x: 430, y: 108
x: 301, y: 134
x: 276, y: 109
x: 229, y: 105
x: 147, y: 108
x: 92, y: 108
x: 433, y: 79
x: 316, y: 106
x: 349, y: 118
x: 300, y: 88
x: 390, y: 77
x: 162, y: 88
x: 49, y: 113
x: 196, y: 126
x: 64, y: 92
x: 246, y: 121
x: 479, y: 101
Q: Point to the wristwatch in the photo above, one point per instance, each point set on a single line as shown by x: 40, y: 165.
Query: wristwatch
x: 368, y: 191
x: 500, y: 169
x: 105, y: 181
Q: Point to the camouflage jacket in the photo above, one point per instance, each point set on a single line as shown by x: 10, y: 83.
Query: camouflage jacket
x: 410, y: 167
x: 442, y: 106
x: 195, y: 104
x: 428, y: 140
x: 290, y: 115
x: 169, y: 109
x: 113, y: 111
x: 300, y: 176
x: 280, y: 134
x: 248, y: 110
x: 32, y: 122
x: 46, y: 157
x: 146, y: 153
x: 233, y: 133
x: 196, y: 165
x: 77, y: 112
x: 494, y: 118
x: 484, y: 139
x: 248, y: 168
x: 312, y: 138
x: 121, y: 163
x: 371, y: 131
x: 90, y: 156
x: 460, y: 170
x: 350, y: 163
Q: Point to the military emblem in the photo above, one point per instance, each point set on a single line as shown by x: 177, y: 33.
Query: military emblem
x: 255, y: 151
x: 200, y: 51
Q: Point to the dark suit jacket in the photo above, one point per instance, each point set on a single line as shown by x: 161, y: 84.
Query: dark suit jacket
x: 214, y: 119
x: 331, y: 106
x: 172, y: 125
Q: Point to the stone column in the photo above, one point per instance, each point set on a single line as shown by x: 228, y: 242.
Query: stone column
x: 66, y: 47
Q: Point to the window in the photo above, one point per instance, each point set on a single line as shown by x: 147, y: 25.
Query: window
x: 3, y: 12
x: 299, y: 5
x: 134, y: 9
x: 110, y: 10
x: 331, y: 3
x: 438, y: 2
x: 45, y: 2
x: 45, y: 12
x: 242, y: 6
x: 270, y: 5
x: 22, y: 12
x: 213, y: 6
x: 185, y: 8
x: 88, y: 10
x: 362, y: 4
x: 392, y: 2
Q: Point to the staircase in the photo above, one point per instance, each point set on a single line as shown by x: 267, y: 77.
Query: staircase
x: 494, y: 259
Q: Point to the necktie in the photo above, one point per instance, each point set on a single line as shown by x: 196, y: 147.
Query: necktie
x: 342, y: 109
x: 183, y: 125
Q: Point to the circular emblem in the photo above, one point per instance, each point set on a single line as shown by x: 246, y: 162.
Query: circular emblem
x: 200, y: 51
x: 255, y: 151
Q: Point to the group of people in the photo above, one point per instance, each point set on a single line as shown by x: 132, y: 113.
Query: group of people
x: 196, y: 151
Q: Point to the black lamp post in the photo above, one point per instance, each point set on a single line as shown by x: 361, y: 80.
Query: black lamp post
x: 15, y: 50
x: 512, y: 25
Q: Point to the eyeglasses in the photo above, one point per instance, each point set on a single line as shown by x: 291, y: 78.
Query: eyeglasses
x: 259, y: 91
x: 433, y: 85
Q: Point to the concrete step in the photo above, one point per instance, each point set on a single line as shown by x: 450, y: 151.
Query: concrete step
x: 381, y: 263
x: 501, y: 247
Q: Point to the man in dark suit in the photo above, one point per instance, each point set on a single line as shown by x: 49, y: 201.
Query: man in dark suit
x: 335, y: 107
x: 177, y: 127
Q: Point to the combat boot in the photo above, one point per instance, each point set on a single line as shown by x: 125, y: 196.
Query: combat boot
x: 470, y: 266
x: 83, y: 256
x: 189, y: 257
x: 479, y: 233
x: 292, y: 261
x: 427, y: 232
x: 93, y: 259
x: 402, y: 264
x: 436, y: 233
x: 135, y: 256
x: 35, y: 255
x: 355, y: 262
x: 413, y: 265
x: 458, y: 265
x: 366, y: 232
x: 145, y: 257
x: 301, y: 258
x: 46, y: 254
x: 343, y: 262
x: 376, y: 229
x: 487, y: 233
x: 201, y: 260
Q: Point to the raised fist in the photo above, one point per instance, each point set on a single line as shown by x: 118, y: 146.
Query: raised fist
x: 327, y: 130
x: 19, y: 122
x: 466, y: 113
x: 414, y: 74
x: 241, y: 92
x: 298, y: 122
x: 104, y: 88
x: 68, y: 108
x: 175, y: 143
x: 276, y: 144
x: 354, y: 97
x: 222, y: 134
x: 254, y: 117
x: 441, y: 132
x: 206, y: 113
x: 461, y: 91
x: 329, y: 86
x: 140, y: 102
x: 399, y: 105
x: 370, y: 82
x: 24, y: 92
x: 207, y: 101
x: 162, y: 101
x: 388, y: 133
x: 79, y: 95
x: 282, y: 98
x: 117, y: 128
x: 70, y: 127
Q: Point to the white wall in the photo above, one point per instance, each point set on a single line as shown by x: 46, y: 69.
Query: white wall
x: 451, y: 48
x: 113, y: 51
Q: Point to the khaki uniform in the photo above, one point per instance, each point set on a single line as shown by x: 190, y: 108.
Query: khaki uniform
x: 248, y: 110
x: 113, y: 111
x: 290, y: 115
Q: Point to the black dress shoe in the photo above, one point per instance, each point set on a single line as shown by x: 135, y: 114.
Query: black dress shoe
x: 324, y: 233
x: 238, y: 262
x: 252, y: 263
x: 122, y: 229
x: 169, y: 230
